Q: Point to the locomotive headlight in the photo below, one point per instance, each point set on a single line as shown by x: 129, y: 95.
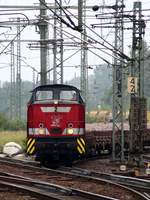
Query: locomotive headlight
x: 41, y: 131
x: 55, y: 102
x: 70, y: 131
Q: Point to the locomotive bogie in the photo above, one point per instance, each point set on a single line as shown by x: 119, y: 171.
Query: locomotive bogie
x: 57, y: 149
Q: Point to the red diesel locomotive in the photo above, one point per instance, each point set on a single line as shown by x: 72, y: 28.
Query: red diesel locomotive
x: 56, y: 123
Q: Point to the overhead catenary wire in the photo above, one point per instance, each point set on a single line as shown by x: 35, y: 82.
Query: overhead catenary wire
x: 65, y: 32
x: 5, y: 8
x: 59, y: 17
x: 101, y: 57
x: 89, y: 43
x: 12, y: 40
x: 126, y: 11
x: 67, y: 16
x: 17, y: 14
x: 105, y: 47
x: 122, y: 55
x: 107, y: 23
x: 105, y: 52
x: 95, y: 45
x: 64, y: 60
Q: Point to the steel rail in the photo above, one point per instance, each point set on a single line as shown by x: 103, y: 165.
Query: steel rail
x: 49, y: 191
x: 136, y: 183
x: 126, y: 180
x: 30, y: 191
x: 76, y: 174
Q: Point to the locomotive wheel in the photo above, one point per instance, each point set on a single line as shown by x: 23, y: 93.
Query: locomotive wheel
x: 50, y: 164
x: 69, y: 164
x: 126, y: 146
x: 109, y: 148
x: 117, y: 148
x: 68, y: 160
x: 98, y: 149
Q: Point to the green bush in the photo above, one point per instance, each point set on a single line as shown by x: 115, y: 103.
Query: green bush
x: 14, y: 125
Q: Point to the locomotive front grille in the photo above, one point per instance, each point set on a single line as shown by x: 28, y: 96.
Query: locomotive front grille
x: 56, y: 131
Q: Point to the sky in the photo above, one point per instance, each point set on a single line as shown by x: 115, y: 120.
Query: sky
x: 30, y: 59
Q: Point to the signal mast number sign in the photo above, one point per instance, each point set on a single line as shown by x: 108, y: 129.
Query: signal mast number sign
x: 132, y: 85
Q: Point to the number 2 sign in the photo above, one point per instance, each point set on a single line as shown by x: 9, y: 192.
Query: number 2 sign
x: 132, y: 85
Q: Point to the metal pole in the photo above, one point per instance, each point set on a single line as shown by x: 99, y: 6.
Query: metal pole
x: 18, y: 75
x: 84, y: 57
x: 43, y: 27
x: 12, y: 87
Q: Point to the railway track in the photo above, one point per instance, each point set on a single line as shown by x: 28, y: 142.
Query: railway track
x: 100, y: 187
x: 42, y: 190
x: 138, y: 184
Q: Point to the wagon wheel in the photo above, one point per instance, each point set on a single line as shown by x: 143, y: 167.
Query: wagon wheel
x: 117, y: 149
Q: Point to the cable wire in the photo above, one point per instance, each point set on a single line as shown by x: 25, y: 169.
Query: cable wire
x: 63, y: 61
x: 12, y: 40
x: 114, y: 50
x: 68, y: 33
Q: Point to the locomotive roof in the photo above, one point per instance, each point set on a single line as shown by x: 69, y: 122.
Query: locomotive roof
x: 61, y: 86
x: 55, y: 88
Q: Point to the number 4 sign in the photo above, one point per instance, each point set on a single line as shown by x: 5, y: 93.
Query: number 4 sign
x: 132, y: 85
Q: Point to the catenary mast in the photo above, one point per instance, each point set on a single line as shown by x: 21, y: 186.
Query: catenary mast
x: 58, y: 49
x: 118, y: 145
x: 84, y: 49
x: 138, y: 114
x: 43, y: 28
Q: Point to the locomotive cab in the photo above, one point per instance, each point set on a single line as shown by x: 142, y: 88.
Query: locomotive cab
x: 56, y: 123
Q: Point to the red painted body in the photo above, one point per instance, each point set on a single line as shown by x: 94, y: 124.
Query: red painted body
x: 51, y: 120
x: 56, y: 123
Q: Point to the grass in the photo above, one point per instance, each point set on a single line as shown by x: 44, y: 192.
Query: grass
x: 12, y: 136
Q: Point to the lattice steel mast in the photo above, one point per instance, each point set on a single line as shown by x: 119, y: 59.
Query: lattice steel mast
x: 84, y: 49
x: 18, y: 73
x: 118, y: 150
x: 12, y: 84
x: 58, y: 50
x: 138, y: 119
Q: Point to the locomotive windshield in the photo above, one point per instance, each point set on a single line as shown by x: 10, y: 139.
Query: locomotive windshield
x: 68, y: 95
x: 60, y: 92
x: 42, y: 95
